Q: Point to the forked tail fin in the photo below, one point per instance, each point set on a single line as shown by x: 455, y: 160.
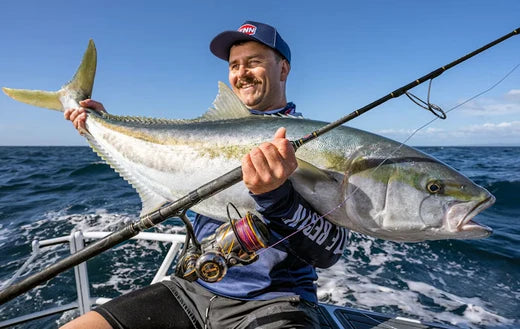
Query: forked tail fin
x: 79, y: 88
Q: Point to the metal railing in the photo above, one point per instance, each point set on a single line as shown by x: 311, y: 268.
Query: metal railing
x: 76, y: 241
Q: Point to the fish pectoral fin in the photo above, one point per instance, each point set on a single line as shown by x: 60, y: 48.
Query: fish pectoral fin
x: 313, y: 172
x: 356, y: 162
x: 312, y: 176
x: 226, y: 106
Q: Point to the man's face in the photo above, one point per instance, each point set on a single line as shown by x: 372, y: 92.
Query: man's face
x: 257, y: 76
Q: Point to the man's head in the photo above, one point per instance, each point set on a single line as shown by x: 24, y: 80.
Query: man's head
x: 259, y: 63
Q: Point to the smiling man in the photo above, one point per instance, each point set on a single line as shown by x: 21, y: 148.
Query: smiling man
x: 278, y: 290
x: 258, y: 76
x: 259, y: 63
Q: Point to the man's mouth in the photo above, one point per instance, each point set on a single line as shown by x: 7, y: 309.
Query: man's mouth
x: 246, y: 84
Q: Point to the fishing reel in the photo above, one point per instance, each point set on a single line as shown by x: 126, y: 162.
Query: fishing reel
x: 233, y: 243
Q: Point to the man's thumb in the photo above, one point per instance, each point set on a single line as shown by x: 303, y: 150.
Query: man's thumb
x: 280, y: 133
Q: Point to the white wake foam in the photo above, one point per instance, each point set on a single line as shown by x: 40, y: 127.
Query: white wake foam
x: 357, y: 282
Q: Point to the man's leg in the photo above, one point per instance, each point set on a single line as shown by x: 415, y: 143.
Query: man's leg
x: 92, y: 320
x: 150, y: 307
x: 282, y: 312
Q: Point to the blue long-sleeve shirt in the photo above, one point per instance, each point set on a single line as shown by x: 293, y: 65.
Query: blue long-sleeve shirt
x: 289, y: 267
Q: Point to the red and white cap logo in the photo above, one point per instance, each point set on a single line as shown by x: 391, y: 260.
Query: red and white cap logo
x: 248, y: 29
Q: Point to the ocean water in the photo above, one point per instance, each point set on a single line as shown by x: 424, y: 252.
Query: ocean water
x: 48, y: 191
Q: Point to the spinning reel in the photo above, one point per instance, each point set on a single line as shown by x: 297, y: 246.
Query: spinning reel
x: 233, y: 243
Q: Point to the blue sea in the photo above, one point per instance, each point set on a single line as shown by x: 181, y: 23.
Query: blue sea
x: 47, y: 192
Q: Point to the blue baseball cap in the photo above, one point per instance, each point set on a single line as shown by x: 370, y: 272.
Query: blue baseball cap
x: 250, y: 31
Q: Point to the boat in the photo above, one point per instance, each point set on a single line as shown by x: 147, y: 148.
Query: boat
x: 331, y: 316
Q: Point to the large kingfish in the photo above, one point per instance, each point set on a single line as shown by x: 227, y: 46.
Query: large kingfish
x: 359, y: 180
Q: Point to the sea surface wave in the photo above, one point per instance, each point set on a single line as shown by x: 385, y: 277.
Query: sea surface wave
x: 49, y: 191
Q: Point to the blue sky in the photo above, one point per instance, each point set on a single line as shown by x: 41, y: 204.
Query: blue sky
x: 154, y: 60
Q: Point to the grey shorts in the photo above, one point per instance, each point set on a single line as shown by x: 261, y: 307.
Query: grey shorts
x: 218, y: 312
x: 178, y: 303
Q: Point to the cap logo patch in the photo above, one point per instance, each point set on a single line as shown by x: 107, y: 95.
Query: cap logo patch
x: 247, y: 29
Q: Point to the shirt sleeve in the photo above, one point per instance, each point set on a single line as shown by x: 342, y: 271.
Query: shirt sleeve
x: 304, y: 233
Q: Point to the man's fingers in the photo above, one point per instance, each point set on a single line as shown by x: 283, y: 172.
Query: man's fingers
x: 248, y: 169
x: 79, y: 116
x: 273, y: 163
x: 79, y: 122
x: 260, y: 162
x: 81, y: 112
x: 67, y: 113
x: 73, y: 115
x: 81, y: 119
x: 91, y: 104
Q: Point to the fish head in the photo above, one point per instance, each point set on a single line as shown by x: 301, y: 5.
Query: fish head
x: 414, y: 198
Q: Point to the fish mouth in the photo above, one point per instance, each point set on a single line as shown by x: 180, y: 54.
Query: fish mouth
x: 466, y: 223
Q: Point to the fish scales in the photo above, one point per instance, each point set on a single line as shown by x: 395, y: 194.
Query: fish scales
x: 358, y: 180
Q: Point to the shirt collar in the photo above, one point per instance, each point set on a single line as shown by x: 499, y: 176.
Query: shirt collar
x: 289, y: 109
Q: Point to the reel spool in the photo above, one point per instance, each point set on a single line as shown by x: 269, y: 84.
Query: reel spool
x: 233, y: 243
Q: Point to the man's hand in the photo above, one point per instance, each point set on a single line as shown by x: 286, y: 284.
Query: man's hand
x: 268, y: 166
x: 78, y: 116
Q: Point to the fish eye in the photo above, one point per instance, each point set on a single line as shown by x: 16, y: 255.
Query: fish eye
x: 434, y: 187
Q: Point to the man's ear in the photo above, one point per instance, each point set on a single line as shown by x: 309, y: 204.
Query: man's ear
x: 286, y: 68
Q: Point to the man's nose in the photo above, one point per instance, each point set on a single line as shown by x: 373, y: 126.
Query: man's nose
x: 242, y: 71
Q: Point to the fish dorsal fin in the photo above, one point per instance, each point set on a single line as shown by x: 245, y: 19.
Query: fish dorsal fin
x: 226, y: 106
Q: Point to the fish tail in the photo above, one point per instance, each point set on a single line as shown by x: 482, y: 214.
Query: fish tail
x: 78, y: 89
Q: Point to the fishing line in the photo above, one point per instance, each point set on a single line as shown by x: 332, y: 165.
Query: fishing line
x: 443, y: 116
x: 389, y: 156
x: 176, y: 207
x: 459, y: 105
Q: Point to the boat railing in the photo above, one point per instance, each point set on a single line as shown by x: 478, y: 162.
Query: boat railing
x: 76, y: 241
x: 330, y: 316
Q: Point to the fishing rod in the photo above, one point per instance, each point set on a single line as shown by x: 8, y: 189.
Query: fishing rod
x: 179, y: 207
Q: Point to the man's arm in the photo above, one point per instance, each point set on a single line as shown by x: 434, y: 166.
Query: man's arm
x: 310, y: 237
x: 266, y: 170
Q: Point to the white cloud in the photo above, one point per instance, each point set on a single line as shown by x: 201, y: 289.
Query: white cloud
x: 513, y: 94
x: 502, y: 128
x: 482, y: 134
x: 489, y: 107
x: 509, y: 103
x: 408, y: 132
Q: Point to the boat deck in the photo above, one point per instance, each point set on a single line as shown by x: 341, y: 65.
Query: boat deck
x: 336, y: 317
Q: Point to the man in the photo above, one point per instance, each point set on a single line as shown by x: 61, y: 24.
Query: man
x: 278, y: 290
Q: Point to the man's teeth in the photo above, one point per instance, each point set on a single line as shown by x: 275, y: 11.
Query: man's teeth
x: 246, y: 84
